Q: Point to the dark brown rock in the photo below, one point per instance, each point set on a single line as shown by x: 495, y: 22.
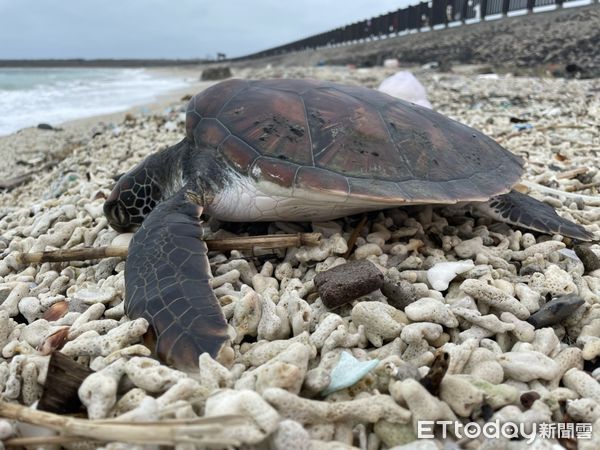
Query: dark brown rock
x: 588, y: 258
x: 528, y: 398
x: 347, y: 282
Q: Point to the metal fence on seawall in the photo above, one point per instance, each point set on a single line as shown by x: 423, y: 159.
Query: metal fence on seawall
x: 425, y: 15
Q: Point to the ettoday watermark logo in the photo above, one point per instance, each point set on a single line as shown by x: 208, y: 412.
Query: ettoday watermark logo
x: 509, y: 430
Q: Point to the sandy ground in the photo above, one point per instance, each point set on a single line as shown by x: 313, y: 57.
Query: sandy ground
x: 273, y: 307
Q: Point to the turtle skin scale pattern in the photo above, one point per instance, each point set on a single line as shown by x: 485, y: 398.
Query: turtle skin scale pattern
x: 348, y: 140
x: 167, y: 279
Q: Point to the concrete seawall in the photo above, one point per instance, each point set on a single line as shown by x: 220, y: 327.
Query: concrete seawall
x: 549, y: 40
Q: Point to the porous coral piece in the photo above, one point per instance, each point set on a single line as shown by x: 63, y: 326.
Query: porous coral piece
x: 381, y: 322
x: 496, y: 395
x: 262, y: 351
x: 543, y: 249
x: 286, y: 370
x: 334, y: 245
x: 492, y: 296
x: 89, y: 293
x: 344, y: 338
x: 482, y: 364
x: 299, y: 311
x: 415, y: 332
x: 245, y: 268
x: 369, y: 409
x: 462, y: 396
x: 98, y: 392
x: 582, y: 383
x: 527, y: 296
x: 589, y: 340
x: 523, y: 331
x: 290, y: 435
x: 263, y: 419
x: 489, y: 321
x: 246, y: 314
x: 149, y: 375
x: 459, y: 354
x: 274, y: 320
x: 11, y: 302
x: 422, y: 405
x: 553, y: 281
x: 327, y: 325
x: 431, y: 310
x: 183, y: 390
x: 528, y: 366
x: 583, y: 410
x: 90, y: 344
x: 31, y: 390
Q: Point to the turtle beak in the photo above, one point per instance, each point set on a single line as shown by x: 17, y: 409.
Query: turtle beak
x: 116, y: 215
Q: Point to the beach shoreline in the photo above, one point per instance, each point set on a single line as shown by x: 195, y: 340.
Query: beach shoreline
x: 27, y: 149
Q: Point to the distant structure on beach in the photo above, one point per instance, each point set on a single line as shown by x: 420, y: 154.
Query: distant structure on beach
x: 431, y: 15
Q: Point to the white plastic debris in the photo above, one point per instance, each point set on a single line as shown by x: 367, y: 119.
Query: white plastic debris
x: 405, y: 86
x: 440, y: 275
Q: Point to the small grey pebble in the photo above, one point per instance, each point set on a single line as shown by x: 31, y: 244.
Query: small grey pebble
x: 400, y: 293
x: 530, y: 270
x: 555, y: 311
x: 406, y: 371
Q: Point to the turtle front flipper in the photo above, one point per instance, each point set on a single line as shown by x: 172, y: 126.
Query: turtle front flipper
x: 167, y: 282
x: 527, y: 212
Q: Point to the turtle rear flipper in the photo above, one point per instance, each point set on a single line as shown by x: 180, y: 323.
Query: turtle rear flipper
x: 527, y: 212
x: 167, y: 277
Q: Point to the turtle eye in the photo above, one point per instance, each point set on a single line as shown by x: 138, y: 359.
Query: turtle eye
x: 120, y: 214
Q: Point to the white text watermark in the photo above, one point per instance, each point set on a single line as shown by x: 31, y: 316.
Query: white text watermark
x: 494, y: 430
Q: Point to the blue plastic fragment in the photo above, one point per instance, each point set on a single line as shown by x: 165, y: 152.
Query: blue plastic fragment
x: 522, y: 126
x: 348, y: 371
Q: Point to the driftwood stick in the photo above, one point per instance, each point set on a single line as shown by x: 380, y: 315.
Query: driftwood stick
x: 12, y: 183
x: 511, y: 134
x: 582, y: 187
x: 354, y: 236
x: 571, y: 173
x: 42, y: 440
x: 72, y: 254
x: 235, y: 243
x: 211, y: 430
x: 546, y: 190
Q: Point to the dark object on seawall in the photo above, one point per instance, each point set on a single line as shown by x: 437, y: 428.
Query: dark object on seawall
x: 47, y: 126
x: 216, y: 73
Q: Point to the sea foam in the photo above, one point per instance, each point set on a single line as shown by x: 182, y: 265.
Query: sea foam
x: 48, y: 95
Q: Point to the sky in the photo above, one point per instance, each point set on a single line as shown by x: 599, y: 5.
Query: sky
x: 38, y: 29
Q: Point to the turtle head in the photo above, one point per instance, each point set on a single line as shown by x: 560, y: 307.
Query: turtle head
x: 134, y: 196
x: 138, y: 191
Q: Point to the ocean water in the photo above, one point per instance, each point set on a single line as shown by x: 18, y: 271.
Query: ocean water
x: 47, y: 95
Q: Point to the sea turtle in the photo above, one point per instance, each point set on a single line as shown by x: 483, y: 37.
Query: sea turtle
x: 294, y: 150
